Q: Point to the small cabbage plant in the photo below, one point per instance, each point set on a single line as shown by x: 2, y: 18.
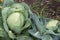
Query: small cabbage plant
x: 44, y: 28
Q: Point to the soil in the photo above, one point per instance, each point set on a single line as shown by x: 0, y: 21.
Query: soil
x: 51, y: 7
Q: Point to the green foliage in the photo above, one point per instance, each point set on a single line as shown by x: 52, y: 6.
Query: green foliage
x: 23, y: 37
x: 57, y: 0
x: 20, y: 23
x: 47, y: 37
x: 46, y: 26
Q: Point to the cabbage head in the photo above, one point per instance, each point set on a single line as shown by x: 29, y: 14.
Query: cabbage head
x: 52, y: 25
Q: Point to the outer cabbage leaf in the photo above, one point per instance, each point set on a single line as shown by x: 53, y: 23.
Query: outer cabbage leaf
x: 23, y: 37
x: 47, y: 37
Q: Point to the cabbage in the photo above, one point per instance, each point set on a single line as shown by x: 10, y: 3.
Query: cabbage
x: 52, y: 25
x: 16, y: 17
